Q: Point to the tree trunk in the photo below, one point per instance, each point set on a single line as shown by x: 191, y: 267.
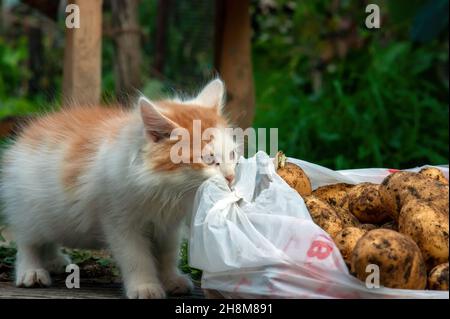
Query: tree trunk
x: 161, y: 36
x: 128, y: 48
x: 233, y: 59
x: 82, y: 56
x: 36, y: 60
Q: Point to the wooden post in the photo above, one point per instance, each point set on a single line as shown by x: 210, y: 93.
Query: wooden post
x: 82, y: 56
x: 127, y: 38
x: 233, y: 59
x: 161, y: 37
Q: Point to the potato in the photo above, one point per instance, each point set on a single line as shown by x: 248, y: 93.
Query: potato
x: 400, y: 187
x: 428, y: 228
x: 293, y: 175
x: 397, y: 256
x: 364, y: 201
x: 347, y: 218
x: 324, y: 215
x: 441, y: 203
x: 390, y: 200
x: 334, y: 194
x: 368, y: 227
x: 392, y: 225
x: 346, y: 241
x: 438, y: 277
x: 434, y: 173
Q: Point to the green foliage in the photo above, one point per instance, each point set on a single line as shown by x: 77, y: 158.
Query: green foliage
x: 8, y: 255
x: 194, y: 273
x: 189, y: 46
x: 79, y: 255
x: 14, y: 75
x: 12, y: 59
x: 383, y: 104
x: 430, y: 21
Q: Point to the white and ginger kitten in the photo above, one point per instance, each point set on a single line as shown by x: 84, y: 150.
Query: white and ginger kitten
x: 102, y: 177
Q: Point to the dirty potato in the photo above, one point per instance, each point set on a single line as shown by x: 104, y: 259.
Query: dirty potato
x: 334, y: 194
x: 428, y: 228
x: 347, y: 218
x: 434, y: 173
x: 293, y: 175
x: 324, y: 215
x: 438, y: 277
x: 441, y: 203
x: 400, y: 187
x: 346, y: 241
x: 364, y: 201
x: 368, y: 227
x: 392, y: 225
x: 397, y: 256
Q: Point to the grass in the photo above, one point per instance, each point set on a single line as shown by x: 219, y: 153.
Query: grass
x: 194, y: 273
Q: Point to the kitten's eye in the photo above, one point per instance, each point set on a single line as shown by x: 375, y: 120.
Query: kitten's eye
x: 208, y: 159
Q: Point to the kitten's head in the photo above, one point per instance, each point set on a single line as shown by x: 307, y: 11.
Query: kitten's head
x: 191, y: 137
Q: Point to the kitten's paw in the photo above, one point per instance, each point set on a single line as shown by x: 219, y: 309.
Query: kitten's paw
x: 146, y: 291
x: 178, y: 284
x: 34, y: 277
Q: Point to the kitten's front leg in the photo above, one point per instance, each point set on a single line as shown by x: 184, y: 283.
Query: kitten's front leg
x: 30, y: 269
x: 168, y: 251
x: 132, y: 252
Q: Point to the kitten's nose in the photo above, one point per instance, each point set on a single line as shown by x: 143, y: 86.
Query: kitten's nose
x: 229, y: 178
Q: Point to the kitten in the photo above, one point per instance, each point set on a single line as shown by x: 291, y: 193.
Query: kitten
x: 94, y: 177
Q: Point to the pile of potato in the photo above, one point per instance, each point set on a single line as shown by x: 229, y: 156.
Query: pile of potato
x: 401, y: 225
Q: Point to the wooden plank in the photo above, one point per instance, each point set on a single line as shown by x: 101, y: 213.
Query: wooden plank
x: 89, y: 289
x: 82, y: 56
x: 233, y: 59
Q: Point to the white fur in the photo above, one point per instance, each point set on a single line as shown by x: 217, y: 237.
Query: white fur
x: 120, y: 204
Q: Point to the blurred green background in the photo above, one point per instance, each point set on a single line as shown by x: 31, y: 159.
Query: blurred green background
x: 340, y: 94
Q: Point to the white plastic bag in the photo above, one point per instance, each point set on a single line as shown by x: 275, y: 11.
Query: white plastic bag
x: 259, y: 241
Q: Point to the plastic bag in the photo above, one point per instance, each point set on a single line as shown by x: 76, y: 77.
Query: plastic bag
x: 259, y: 241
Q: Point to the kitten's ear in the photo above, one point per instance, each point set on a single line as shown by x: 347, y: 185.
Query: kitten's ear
x: 157, y: 126
x: 212, y: 95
